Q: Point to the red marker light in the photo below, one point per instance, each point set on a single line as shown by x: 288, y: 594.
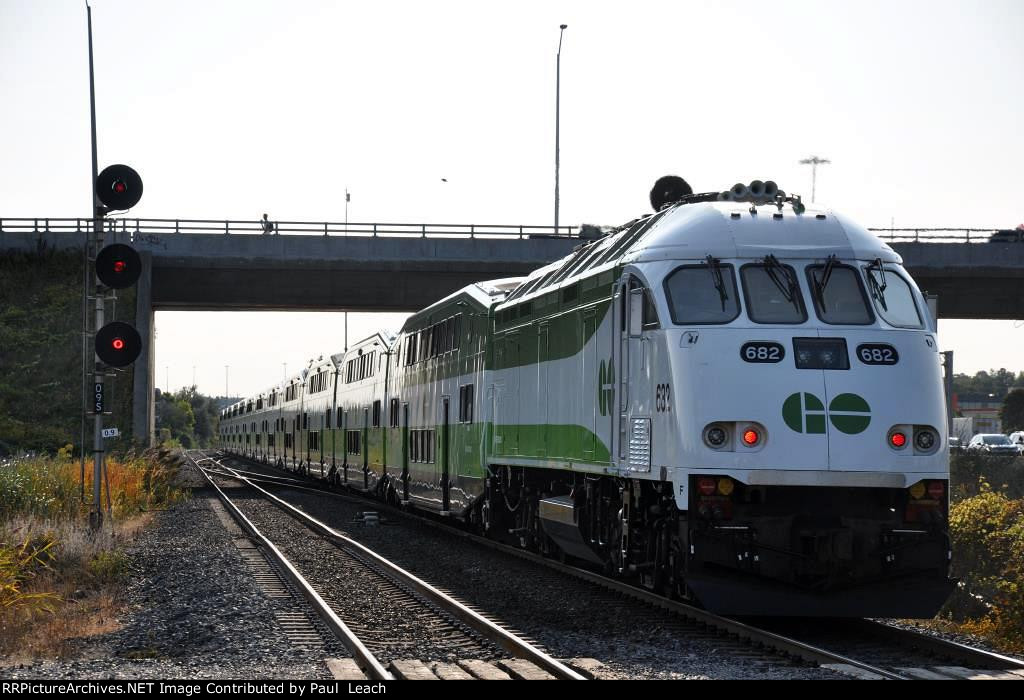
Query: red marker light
x: 117, y: 343
x: 751, y: 437
x: 706, y: 485
x: 898, y: 439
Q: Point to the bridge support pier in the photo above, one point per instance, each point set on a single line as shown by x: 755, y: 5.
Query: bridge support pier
x: 143, y: 415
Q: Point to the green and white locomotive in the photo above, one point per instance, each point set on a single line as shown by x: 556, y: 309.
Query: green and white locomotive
x: 735, y: 400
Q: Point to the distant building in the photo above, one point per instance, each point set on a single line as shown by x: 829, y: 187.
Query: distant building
x: 983, y: 412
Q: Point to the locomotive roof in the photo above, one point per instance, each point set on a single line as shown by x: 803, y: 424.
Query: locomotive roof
x: 484, y: 294
x: 726, y: 230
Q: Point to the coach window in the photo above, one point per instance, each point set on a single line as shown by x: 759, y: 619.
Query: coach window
x: 376, y: 413
x: 393, y: 417
x: 702, y: 294
x: 466, y: 403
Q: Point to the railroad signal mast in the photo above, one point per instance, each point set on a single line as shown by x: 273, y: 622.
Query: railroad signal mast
x: 117, y: 266
x: 116, y: 344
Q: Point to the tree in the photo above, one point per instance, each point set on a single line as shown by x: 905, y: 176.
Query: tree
x: 1012, y: 412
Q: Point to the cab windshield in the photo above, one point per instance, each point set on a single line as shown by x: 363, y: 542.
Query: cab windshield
x: 892, y: 296
x: 702, y: 294
x: 838, y: 294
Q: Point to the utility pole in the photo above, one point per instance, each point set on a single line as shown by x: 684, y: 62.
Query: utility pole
x: 814, y: 162
x: 95, y: 243
x: 558, y: 100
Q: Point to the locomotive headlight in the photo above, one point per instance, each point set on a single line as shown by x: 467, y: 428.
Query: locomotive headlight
x: 828, y: 358
x: 715, y: 436
x: 804, y: 357
x: 924, y: 440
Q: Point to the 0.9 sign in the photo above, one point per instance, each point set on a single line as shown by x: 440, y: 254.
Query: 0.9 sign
x: 762, y: 351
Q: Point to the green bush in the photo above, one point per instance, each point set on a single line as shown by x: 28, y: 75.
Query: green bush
x: 987, y: 531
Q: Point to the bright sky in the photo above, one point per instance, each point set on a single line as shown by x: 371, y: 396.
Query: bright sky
x: 232, y: 109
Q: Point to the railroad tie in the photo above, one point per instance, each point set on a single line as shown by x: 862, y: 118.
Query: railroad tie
x: 412, y: 670
x: 345, y: 670
x: 975, y: 675
x: 451, y: 672
x: 584, y: 666
x: 483, y: 670
x: 523, y: 670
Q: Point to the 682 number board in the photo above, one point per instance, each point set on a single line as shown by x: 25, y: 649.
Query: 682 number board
x: 877, y: 354
x: 762, y: 351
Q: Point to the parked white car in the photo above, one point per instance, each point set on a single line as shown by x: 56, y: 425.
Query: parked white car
x: 993, y: 444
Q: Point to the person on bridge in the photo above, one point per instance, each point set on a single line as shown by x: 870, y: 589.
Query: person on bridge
x: 268, y: 226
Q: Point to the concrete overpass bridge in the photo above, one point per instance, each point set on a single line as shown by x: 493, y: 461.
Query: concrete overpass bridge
x: 226, y: 265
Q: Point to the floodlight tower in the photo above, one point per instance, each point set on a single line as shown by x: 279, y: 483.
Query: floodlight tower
x: 814, y: 162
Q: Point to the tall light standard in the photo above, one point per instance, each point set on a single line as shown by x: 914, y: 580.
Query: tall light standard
x: 226, y: 394
x: 558, y: 99
x: 814, y: 162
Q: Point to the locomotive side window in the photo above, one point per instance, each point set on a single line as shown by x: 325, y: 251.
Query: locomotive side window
x: 839, y: 297
x: 892, y: 297
x: 772, y: 294
x: 702, y: 294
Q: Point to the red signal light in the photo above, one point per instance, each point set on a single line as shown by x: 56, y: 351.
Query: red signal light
x: 120, y: 266
x: 120, y: 187
x: 898, y: 439
x: 117, y: 343
x: 751, y: 437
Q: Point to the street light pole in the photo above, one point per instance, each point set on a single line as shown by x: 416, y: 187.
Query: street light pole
x: 814, y: 162
x: 558, y: 100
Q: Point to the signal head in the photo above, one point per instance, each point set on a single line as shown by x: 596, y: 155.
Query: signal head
x: 119, y: 187
x: 118, y: 266
x: 118, y: 344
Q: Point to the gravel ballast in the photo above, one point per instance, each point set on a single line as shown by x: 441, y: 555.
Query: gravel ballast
x: 567, y: 617
x: 192, y: 610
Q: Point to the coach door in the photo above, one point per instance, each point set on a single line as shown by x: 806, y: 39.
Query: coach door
x: 445, y: 459
x: 405, y: 453
x: 628, y: 304
x: 589, y: 377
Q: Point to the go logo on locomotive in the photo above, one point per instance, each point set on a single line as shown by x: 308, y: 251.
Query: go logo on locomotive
x: 805, y: 413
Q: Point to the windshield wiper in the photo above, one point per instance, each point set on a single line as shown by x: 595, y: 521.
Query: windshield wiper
x: 716, y: 275
x: 826, y: 274
x: 878, y: 290
x: 773, y: 268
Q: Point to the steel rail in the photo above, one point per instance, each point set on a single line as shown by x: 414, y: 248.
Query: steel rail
x: 940, y: 646
x: 934, y: 645
x: 363, y: 657
x: 503, y: 638
x: 754, y: 635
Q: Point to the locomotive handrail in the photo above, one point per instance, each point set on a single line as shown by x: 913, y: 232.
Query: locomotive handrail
x: 140, y: 226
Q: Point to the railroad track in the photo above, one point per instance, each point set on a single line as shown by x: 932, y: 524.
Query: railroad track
x: 859, y: 648
x: 404, y: 614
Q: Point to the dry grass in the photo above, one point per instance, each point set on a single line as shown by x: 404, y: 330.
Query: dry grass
x: 60, y: 582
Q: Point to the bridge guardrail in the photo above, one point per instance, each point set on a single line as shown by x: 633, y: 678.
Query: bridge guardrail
x: 138, y: 226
